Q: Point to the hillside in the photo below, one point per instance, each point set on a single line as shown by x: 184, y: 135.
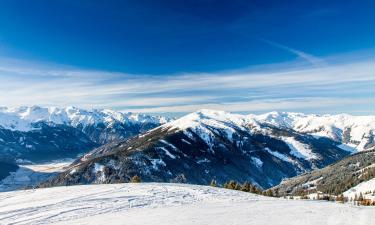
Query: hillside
x: 206, y: 145
x: 155, y: 203
x: 334, y: 179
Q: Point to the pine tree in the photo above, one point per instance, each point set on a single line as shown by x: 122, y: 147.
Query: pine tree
x: 246, y: 187
x: 269, y: 193
x: 360, y: 198
x: 135, y: 179
x: 232, y: 185
x: 213, y: 183
x: 340, y: 198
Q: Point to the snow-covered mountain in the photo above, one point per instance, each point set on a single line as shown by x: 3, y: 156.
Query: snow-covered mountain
x: 263, y: 149
x: 356, y: 133
x: 43, y: 133
x: 26, y: 118
x: 172, y: 204
x: 207, y: 145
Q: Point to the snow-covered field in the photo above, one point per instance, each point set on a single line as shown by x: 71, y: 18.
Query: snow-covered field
x: 31, y: 174
x: 155, y: 203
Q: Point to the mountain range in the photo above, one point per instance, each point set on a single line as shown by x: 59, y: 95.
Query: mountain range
x: 197, y: 148
x: 41, y: 134
x: 215, y: 145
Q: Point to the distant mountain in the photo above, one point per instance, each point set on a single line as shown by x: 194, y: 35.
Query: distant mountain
x: 349, y: 176
x: 356, y: 133
x: 209, y: 144
x: 40, y: 133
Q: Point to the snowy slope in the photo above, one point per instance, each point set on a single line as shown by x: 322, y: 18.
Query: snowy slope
x: 23, y: 118
x: 367, y: 189
x: 155, y: 203
x: 355, y: 132
x: 201, y: 121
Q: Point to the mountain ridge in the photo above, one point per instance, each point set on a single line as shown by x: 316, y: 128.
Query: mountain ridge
x: 48, y: 133
x: 206, y: 145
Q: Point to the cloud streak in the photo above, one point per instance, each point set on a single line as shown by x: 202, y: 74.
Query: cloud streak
x: 313, y: 60
x: 345, y: 87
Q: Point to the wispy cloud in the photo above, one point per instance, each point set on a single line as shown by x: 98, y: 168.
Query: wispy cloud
x: 341, y: 87
x: 303, y: 55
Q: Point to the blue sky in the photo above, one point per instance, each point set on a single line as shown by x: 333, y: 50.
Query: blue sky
x: 179, y: 56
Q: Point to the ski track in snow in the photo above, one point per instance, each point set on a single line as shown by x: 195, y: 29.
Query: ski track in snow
x: 155, y: 203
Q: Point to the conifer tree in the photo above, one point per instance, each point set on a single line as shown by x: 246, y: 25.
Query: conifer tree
x: 135, y: 179
x: 246, y: 187
x: 213, y: 183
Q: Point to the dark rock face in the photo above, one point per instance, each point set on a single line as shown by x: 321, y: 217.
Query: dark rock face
x: 167, y: 154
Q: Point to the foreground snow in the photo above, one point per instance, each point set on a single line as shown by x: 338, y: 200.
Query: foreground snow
x: 152, y: 203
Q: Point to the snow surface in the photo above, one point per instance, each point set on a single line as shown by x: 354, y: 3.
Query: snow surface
x: 347, y: 147
x: 279, y: 155
x: 299, y: 149
x: 257, y: 161
x: 366, y: 188
x: 23, y: 118
x: 172, y: 204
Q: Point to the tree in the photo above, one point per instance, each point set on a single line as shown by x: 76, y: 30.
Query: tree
x: 135, y: 179
x: 360, y: 198
x: 340, y: 198
x: 213, y: 183
x: 269, y: 193
x: 232, y: 185
x: 246, y: 187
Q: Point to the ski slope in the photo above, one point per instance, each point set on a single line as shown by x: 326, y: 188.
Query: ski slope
x: 179, y: 204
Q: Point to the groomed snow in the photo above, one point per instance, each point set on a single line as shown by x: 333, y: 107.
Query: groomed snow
x: 172, y: 204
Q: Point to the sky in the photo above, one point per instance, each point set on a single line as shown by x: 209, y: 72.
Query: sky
x: 174, y: 57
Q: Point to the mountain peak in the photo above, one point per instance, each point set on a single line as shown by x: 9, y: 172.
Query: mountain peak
x: 22, y: 118
x: 208, y: 117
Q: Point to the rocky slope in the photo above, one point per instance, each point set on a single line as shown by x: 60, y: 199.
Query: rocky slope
x: 207, y: 145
